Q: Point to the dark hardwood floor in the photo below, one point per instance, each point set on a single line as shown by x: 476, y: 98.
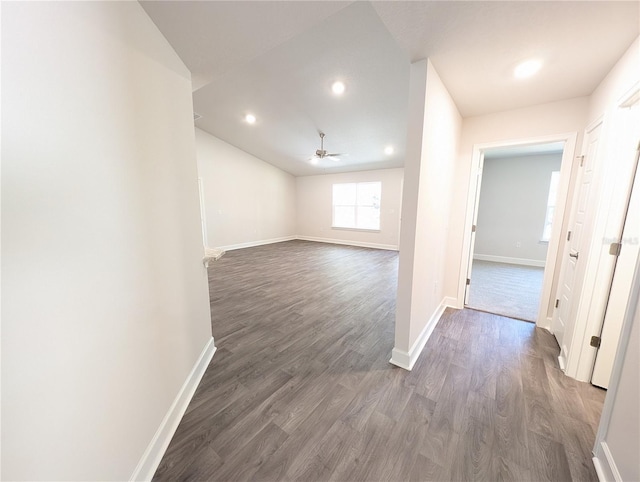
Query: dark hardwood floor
x: 301, y: 387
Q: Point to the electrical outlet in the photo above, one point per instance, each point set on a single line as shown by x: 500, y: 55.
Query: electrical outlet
x: 518, y: 244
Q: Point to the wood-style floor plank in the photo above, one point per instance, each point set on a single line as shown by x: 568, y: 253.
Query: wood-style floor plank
x: 301, y: 387
x: 552, y: 465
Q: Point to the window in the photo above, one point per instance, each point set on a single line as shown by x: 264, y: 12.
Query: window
x: 357, y: 205
x: 551, y: 205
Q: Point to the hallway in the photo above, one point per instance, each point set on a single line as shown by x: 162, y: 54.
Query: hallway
x: 301, y: 387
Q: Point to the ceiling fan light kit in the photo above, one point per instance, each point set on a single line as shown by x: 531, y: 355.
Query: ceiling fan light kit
x: 323, y: 154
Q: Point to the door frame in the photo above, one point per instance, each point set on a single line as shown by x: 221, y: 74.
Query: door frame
x: 555, y: 242
x: 574, y: 304
x: 474, y: 222
x: 203, y: 214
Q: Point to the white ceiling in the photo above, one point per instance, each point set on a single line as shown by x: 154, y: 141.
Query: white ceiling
x: 474, y: 46
x: 278, y: 60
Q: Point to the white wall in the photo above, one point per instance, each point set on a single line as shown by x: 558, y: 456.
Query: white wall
x: 513, y: 206
x: 104, y: 296
x: 536, y: 121
x: 314, y: 208
x: 432, y: 144
x: 247, y: 201
x: 624, y: 74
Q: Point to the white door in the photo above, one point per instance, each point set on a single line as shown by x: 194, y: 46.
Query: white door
x: 623, y: 274
x: 572, y: 271
x: 473, y: 229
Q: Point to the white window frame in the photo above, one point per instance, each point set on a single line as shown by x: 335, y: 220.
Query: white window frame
x: 355, y: 207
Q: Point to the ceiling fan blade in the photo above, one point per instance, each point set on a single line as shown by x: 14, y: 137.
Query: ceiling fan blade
x: 322, y: 154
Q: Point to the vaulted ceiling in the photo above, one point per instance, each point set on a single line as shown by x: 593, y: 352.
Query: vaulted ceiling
x: 278, y: 60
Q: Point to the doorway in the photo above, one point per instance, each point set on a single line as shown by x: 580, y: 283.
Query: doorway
x: 515, y: 210
x: 554, y: 221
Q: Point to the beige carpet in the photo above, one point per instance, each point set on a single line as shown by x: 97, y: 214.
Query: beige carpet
x: 506, y: 289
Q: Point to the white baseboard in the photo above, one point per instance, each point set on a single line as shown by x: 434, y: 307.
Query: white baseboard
x: 262, y: 242
x: 452, y: 302
x: 562, y: 361
x: 606, y: 467
x: 599, y: 470
x: 389, y: 247
x: 401, y: 358
x: 610, y: 464
x: 406, y: 360
x: 508, y: 260
x: 545, y: 323
x: 251, y: 244
x: 152, y: 456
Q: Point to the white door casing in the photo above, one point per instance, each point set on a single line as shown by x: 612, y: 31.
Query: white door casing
x: 475, y: 223
x: 203, y: 216
x: 581, y: 219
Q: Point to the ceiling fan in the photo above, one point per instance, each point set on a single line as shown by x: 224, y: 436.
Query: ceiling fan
x: 322, y: 154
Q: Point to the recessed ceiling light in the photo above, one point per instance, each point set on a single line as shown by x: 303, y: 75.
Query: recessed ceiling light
x: 250, y: 118
x: 388, y: 150
x: 338, y: 88
x: 527, y: 69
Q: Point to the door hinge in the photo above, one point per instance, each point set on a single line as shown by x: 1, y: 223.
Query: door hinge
x: 615, y: 248
x: 473, y: 228
x: 468, y: 281
x: 568, y: 235
x: 595, y: 341
x: 557, y: 303
x: 581, y: 160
